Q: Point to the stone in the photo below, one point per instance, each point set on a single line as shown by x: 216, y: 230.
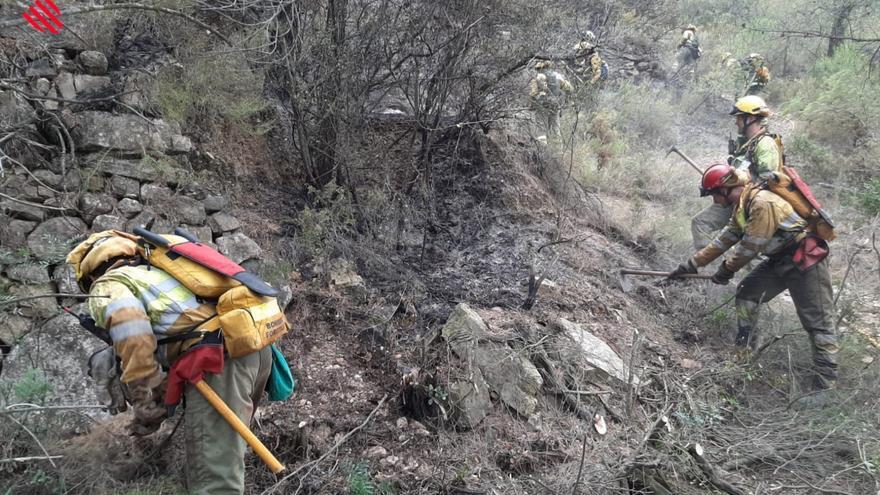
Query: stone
x: 375, y: 452
x: 65, y: 279
x: 41, y: 68
x: 592, y: 350
x: 22, y: 211
x: 28, y: 273
x: 470, y: 400
x: 13, y: 327
x: 92, y: 62
x: 138, y: 88
x: 86, y: 84
x: 221, y: 223
x: 39, y: 308
x: 96, y: 130
x: 125, y: 187
x: 72, y: 180
x: 144, y: 170
x: 49, y: 178
x: 390, y: 461
x: 239, y: 247
x: 108, y: 222
x: 202, y: 233
x: 95, y: 183
x: 180, y: 144
x: 153, y: 194
x: 92, y: 204
x: 285, y: 296
x: 64, y: 85
x: 143, y: 219
x: 58, y: 351
x: 13, y: 233
x: 53, y: 239
x: 42, y: 86
x: 129, y: 207
x: 401, y: 423
x: 507, y: 372
x: 51, y: 104
x: 214, y: 203
x: 15, y: 111
x: 183, y: 209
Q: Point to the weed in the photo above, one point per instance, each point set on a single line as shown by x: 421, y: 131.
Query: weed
x: 359, y: 481
x: 32, y: 388
x: 322, y: 227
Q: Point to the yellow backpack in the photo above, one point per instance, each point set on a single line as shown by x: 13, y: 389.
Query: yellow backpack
x: 249, y: 321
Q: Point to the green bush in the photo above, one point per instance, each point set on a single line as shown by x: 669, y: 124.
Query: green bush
x: 868, y: 198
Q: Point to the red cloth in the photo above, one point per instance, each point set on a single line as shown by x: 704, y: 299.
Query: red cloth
x: 811, y: 250
x: 191, y: 367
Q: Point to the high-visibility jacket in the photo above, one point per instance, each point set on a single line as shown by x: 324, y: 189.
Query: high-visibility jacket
x: 762, y: 223
x: 145, y: 303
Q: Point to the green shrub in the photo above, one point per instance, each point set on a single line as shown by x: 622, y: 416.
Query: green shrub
x: 32, y: 388
x: 324, y: 225
x: 868, y: 198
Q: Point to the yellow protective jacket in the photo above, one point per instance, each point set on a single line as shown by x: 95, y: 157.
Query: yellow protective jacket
x: 762, y: 223
x: 145, y: 303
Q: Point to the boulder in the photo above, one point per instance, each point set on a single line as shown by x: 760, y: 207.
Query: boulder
x: 214, y: 203
x: 470, y: 400
x: 594, y: 352
x: 183, y: 209
x: 13, y: 233
x: 23, y: 211
x: 15, y: 111
x: 202, y: 233
x: 48, y: 177
x: 143, y: 219
x: 507, y: 372
x: 285, y: 296
x: 92, y: 62
x: 155, y: 194
x: 52, y: 239
x: 13, y: 327
x: 221, y: 223
x: 143, y: 170
x: 108, y: 222
x: 129, y: 207
x: 125, y: 187
x: 128, y: 133
x: 43, y: 307
x: 59, y: 350
x: 138, y: 88
x: 92, y: 204
x: 28, y: 273
x: 239, y: 247
x: 86, y: 84
x: 65, y: 87
x: 42, y: 86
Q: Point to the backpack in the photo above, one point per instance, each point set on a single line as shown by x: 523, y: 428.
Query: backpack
x: 249, y: 316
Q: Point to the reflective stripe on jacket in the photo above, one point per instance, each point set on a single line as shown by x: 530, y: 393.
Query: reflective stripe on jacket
x: 763, y: 223
x: 145, y: 302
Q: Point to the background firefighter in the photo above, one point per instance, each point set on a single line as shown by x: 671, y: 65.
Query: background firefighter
x: 548, y: 91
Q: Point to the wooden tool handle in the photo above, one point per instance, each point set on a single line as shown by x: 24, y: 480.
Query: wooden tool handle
x: 239, y: 426
x: 649, y: 273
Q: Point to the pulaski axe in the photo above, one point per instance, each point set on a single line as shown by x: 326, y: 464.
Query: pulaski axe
x: 674, y: 149
x: 624, y: 284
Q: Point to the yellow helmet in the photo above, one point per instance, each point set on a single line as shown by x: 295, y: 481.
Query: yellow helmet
x: 691, y: 27
x: 751, y: 105
x: 98, y: 249
x: 543, y: 64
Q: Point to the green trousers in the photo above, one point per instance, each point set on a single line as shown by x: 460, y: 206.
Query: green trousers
x: 706, y: 224
x: 812, y: 295
x: 214, y: 451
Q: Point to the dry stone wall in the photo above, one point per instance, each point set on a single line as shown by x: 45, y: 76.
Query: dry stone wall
x: 78, y: 159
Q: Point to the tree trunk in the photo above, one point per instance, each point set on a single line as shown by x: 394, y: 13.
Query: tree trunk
x: 838, y: 29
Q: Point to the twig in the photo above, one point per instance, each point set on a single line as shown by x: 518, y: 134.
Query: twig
x: 874, y: 244
x: 25, y: 408
x: 716, y: 308
x: 35, y: 205
x: 577, y: 482
x: 29, y: 432
x: 22, y: 299
x: 776, y: 338
x: 29, y: 459
x: 849, y: 266
x: 18, y: 20
x: 696, y: 452
x: 588, y: 392
x: 332, y: 449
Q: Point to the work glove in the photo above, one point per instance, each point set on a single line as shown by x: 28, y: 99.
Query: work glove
x: 684, y: 268
x: 148, y: 402
x: 104, y: 370
x: 723, y: 275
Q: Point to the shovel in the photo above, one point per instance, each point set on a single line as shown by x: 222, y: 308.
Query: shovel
x: 626, y: 286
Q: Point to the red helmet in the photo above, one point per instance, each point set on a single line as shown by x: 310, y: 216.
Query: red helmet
x: 714, y: 178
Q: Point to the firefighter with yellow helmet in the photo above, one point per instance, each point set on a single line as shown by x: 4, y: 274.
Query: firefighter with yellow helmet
x: 548, y: 91
x: 136, y: 304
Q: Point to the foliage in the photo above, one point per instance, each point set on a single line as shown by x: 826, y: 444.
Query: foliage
x: 361, y: 483
x: 33, y: 387
x: 868, y: 198
x: 323, y: 225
